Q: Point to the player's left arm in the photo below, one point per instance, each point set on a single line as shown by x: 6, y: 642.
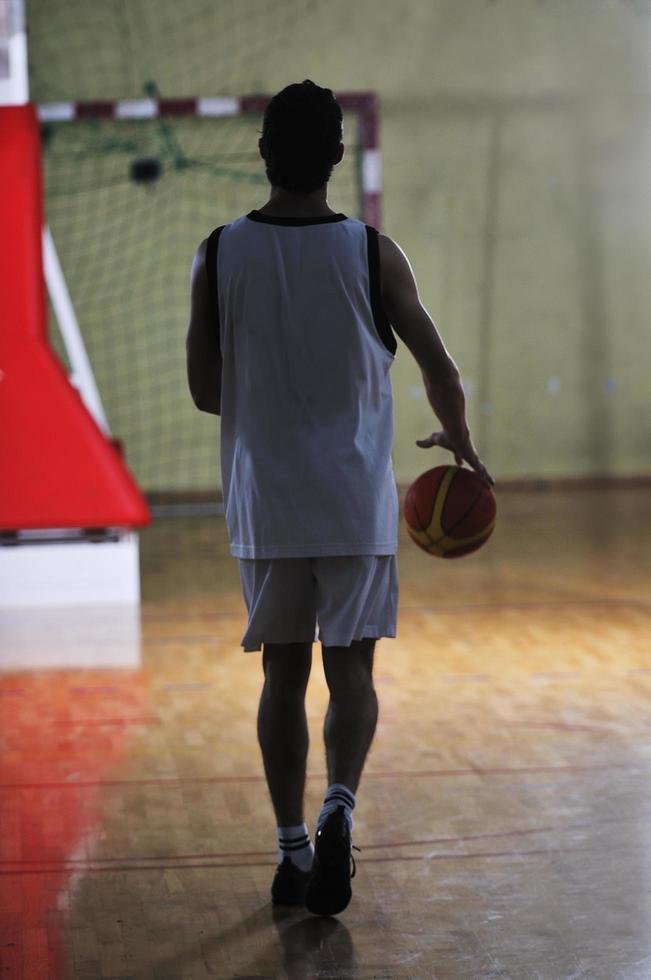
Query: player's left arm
x: 204, y: 360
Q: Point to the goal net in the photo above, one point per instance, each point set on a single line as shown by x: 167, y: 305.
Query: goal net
x: 131, y: 188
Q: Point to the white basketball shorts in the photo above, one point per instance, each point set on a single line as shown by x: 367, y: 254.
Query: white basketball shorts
x: 334, y: 599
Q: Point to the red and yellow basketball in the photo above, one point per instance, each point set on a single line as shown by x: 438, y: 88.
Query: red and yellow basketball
x: 449, y: 511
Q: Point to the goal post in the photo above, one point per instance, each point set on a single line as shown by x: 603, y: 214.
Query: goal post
x: 363, y: 104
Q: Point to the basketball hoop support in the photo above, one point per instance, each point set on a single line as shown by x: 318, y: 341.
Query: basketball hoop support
x: 60, y: 473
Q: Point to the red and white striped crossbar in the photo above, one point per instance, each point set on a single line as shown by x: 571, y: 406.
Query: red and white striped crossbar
x: 364, y: 104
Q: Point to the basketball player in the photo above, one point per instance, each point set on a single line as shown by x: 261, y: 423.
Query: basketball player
x: 290, y: 341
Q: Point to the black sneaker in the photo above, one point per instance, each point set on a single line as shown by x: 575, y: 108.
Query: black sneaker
x: 289, y: 884
x: 328, y: 889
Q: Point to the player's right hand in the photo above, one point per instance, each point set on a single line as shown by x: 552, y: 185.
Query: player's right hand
x: 463, y: 451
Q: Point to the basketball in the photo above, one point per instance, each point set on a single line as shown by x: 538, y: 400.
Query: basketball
x: 449, y: 511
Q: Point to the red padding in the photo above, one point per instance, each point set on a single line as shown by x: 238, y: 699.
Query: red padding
x: 57, y: 468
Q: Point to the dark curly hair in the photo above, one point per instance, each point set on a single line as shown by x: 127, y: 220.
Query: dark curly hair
x: 301, y: 133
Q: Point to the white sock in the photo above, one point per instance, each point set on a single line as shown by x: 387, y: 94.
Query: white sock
x: 337, y: 795
x: 295, y: 843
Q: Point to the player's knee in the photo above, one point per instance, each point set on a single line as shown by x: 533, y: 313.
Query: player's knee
x: 286, y: 668
x: 349, y: 670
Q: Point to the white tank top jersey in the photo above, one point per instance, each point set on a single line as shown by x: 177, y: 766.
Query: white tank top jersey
x: 306, y: 399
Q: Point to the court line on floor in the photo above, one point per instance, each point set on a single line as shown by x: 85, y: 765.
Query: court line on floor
x: 272, y: 862
x: 185, y: 638
x: 645, y: 604
x: 71, y: 722
x: 385, y: 774
x: 220, y: 855
x: 209, y: 686
x: 566, y: 727
x: 459, y: 727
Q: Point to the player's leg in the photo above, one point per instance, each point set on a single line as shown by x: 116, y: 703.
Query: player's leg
x: 351, y: 718
x: 280, y: 603
x: 279, y: 595
x: 356, y: 597
x: 282, y: 727
x: 349, y: 727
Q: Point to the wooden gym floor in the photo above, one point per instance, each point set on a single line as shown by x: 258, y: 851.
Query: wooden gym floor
x: 502, y: 814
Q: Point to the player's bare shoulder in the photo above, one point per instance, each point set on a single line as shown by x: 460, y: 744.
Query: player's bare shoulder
x: 406, y: 313
x: 389, y: 254
x: 396, y: 275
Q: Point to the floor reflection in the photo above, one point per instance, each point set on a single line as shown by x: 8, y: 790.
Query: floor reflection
x: 71, y: 692
x: 313, y: 946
